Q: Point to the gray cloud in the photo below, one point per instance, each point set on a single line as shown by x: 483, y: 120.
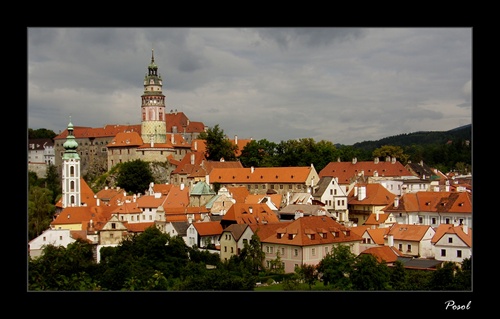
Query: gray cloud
x: 345, y: 85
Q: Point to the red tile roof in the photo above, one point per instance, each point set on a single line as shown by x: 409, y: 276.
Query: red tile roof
x: 312, y: 230
x: 346, y: 171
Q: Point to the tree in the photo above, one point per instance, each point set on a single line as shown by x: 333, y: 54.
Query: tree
x: 258, y: 154
x: 335, y: 268
x: 64, y: 268
x: 53, y: 182
x: 41, y: 133
x: 40, y: 210
x: 307, y: 274
x: 369, y: 274
x: 399, y: 277
x: 134, y: 176
x: 252, y: 255
x: 217, y: 145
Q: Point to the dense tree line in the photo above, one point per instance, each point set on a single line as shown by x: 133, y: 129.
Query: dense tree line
x: 154, y: 260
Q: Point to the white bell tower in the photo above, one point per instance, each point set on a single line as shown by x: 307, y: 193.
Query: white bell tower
x: 71, y: 188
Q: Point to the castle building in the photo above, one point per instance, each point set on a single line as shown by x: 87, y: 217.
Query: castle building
x: 160, y: 137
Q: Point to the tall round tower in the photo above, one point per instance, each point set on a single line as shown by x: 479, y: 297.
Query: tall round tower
x: 153, y: 125
x: 71, y: 188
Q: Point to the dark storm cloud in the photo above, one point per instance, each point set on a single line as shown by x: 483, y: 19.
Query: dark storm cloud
x: 341, y: 84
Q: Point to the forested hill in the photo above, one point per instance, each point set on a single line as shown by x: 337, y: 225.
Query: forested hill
x: 419, y: 138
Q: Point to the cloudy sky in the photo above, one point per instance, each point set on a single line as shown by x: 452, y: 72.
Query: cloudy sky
x: 344, y: 85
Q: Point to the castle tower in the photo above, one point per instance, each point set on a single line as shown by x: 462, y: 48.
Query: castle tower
x: 153, y: 125
x: 71, y: 188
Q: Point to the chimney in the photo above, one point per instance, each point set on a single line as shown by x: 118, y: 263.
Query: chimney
x: 354, y: 160
x: 465, y: 228
x: 390, y: 240
x: 172, y: 140
x: 396, y: 201
x: 252, y: 169
x: 195, y: 145
x: 236, y: 139
x: 192, y: 158
x: 182, y: 186
x: 250, y: 210
x: 376, y: 160
x: 362, y: 193
x: 376, y: 215
x: 355, y: 191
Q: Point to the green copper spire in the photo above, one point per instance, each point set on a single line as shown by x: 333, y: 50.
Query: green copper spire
x: 70, y: 145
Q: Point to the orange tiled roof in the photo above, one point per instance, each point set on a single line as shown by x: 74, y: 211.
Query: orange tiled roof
x: 239, y: 193
x: 444, y: 229
x: 250, y: 214
x: 378, y: 234
x: 127, y: 208
x: 191, y: 164
x: 384, y: 253
x: 312, y: 230
x: 138, y: 227
x: 208, y: 228
x: 450, y: 202
x: 126, y: 139
x: 297, y: 174
x: 408, y: 232
x: 266, y: 230
x: 345, y: 171
x: 106, y: 131
x: 372, y: 219
x: 376, y: 194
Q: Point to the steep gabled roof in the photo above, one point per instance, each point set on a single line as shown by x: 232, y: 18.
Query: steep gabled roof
x: 462, y: 232
x: 376, y: 195
x: 243, y: 213
x: 236, y: 230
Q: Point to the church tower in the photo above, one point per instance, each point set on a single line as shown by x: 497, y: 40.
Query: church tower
x: 71, y: 188
x: 153, y: 125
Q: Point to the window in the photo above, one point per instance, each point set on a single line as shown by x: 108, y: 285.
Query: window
x: 313, y: 237
x: 60, y: 237
x: 400, y: 247
x: 433, y: 220
x: 290, y: 236
x: 113, y: 225
x: 326, y: 250
x: 409, y: 249
x: 111, y: 235
x: 313, y: 251
x: 450, y: 240
x: 295, y: 252
x: 282, y: 251
x: 232, y: 250
x: 443, y: 252
x: 459, y: 253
